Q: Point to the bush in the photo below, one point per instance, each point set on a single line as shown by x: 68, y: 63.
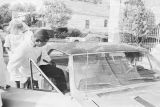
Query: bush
x: 5, y: 14
x: 75, y: 33
x: 64, y: 32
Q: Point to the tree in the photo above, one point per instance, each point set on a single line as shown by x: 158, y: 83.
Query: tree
x: 57, y: 13
x: 26, y: 7
x: 136, y: 21
x: 75, y: 33
x: 5, y: 14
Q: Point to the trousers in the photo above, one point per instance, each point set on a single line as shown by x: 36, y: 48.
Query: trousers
x: 57, y: 74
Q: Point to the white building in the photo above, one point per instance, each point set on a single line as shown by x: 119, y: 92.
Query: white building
x: 89, y: 16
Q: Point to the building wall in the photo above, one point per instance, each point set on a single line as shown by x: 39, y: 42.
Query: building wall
x: 96, y: 24
x: 94, y: 11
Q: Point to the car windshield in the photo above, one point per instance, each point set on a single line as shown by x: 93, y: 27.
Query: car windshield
x: 106, y: 70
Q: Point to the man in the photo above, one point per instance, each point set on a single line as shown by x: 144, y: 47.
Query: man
x: 53, y: 72
x: 19, y: 63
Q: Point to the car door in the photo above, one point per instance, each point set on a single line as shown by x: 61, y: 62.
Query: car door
x: 46, y: 95
x: 28, y: 98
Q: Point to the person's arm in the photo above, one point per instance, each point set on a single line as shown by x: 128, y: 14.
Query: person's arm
x: 45, y: 57
x: 28, y: 34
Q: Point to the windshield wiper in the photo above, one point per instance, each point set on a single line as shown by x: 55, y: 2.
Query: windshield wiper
x: 145, y: 79
x: 101, y: 84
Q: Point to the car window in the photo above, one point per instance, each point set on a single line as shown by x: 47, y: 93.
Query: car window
x: 106, y: 70
x: 60, y: 58
x: 55, y: 53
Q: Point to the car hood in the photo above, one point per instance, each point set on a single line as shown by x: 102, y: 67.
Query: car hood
x: 146, y: 96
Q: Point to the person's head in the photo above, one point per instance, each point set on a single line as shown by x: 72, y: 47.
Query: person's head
x: 17, y: 27
x: 40, y: 37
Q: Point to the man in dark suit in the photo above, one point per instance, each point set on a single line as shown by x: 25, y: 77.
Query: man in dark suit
x: 53, y: 72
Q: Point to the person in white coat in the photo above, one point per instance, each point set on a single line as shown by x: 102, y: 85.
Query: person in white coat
x: 32, y: 48
x: 19, y: 31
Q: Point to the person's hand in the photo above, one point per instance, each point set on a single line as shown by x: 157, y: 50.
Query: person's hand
x: 52, y: 63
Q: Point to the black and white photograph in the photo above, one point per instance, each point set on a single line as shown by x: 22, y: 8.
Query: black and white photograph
x: 79, y: 53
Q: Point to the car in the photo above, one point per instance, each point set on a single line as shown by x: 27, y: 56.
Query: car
x: 74, y: 39
x: 97, y: 75
x: 91, y: 37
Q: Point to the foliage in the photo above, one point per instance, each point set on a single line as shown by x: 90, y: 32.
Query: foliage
x: 136, y: 20
x: 64, y: 32
x: 26, y: 7
x: 75, y: 33
x: 5, y: 14
x: 57, y: 13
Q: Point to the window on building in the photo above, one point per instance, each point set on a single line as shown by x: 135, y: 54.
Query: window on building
x: 105, y: 23
x: 87, y: 24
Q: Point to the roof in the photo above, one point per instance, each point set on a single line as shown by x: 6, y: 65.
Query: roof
x: 83, y: 47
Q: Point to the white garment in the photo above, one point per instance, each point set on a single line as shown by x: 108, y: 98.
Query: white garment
x: 4, y: 75
x: 12, y: 41
x: 19, y: 62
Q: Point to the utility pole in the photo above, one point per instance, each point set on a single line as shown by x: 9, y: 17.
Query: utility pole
x: 113, y: 22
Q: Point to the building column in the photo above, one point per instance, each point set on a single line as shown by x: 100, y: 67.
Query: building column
x: 113, y: 22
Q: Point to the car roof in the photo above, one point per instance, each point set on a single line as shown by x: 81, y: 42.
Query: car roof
x: 83, y: 47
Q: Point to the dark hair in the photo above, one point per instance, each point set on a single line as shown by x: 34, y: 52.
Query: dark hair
x: 42, y: 35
